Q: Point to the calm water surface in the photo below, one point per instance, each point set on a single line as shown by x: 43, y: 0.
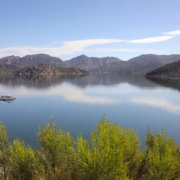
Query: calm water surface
x: 78, y: 104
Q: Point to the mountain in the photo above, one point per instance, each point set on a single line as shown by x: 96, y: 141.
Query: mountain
x: 8, y: 59
x: 7, y: 69
x: 139, y: 65
x: 47, y: 71
x: 89, y: 63
x: 40, y: 71
x: 36, y: 59
x: 171, y: 70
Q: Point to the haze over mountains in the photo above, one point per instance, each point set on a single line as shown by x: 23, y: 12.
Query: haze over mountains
x: 139, y: 65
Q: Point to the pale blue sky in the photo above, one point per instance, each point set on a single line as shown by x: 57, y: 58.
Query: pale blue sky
x: 67, y: 28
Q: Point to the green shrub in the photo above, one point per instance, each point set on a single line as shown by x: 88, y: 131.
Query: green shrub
x: 113, y: 153
x: 58, y: 149
x: 23, y: 161
x: 161, y: 157
x: 4, y: 152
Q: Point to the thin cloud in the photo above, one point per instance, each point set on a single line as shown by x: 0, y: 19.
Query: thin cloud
x: 165, y: 37
x: 77, y: 46
x: 129, y: 50
x: 151, y: 40
x: 175, y: 33
x: 67, y: 48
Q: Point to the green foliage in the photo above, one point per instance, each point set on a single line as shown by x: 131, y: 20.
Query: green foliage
x: 3, y: 152
x: 111, y: 153
x: 58, y: 149
x: 161, y: 157
x: 3, y: 137
x: 23, y: 161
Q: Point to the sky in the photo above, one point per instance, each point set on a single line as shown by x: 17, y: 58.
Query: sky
x: 68, y: 28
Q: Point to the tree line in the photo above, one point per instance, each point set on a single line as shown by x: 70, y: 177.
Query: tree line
x: 112, y: 153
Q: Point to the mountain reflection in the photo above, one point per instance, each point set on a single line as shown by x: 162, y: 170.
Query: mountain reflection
x: 93, y: 89
x: 80, y: 81
x: 172, y: 83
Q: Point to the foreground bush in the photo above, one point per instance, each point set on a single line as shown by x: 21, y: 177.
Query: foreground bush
x: 57, y: 148
x: 162, y: 157
x: 23, y: 161
x: 112, y: 153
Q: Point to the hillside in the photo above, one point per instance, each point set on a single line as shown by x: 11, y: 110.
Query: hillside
x: 171, y: 70
x: 139, y: 65
x: 39, y: 72
x: 36, y: 59
x: 8, y: 59
x: 7, y: 69
x: 89, y: 63
x: 47, y: 71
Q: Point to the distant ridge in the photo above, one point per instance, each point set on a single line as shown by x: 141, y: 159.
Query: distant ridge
x: 138, y: 66
x: 36, y: 59
x: 88, y: 63
x: 9, y: 59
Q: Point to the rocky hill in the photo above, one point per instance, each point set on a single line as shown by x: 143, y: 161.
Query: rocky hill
x: 40, y: 71
x: 47, y: 71
x: 89, y: 63
x: 31, y: 60
x: 9, y: 60
x: 139, y: 65
x: 7, y: 69
x: 171, y: 70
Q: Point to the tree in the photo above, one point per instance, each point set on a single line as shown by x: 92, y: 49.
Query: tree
x: 161, y: 157
x: 4, y: 151
x: 112, y: 154
x: 23, y: 161
x: 58, y: 149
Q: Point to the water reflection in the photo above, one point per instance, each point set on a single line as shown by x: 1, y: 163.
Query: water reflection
x: 71, y: 88
x: 78, y: 103
x: 167, y: 82
x: 159, y: 103
x: 39, y: 82
x: 81, y: 81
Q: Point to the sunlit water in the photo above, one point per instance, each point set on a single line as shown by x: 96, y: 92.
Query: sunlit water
x: 78, y: 105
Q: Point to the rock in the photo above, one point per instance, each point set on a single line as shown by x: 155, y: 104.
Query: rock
x: 7, y: 98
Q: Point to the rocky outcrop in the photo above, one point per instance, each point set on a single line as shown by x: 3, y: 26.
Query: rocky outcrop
x: 47, y: 71
x: 7, y: 69
x: 171, y: 70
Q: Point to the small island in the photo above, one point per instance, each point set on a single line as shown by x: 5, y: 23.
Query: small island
x: 7, y: 98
